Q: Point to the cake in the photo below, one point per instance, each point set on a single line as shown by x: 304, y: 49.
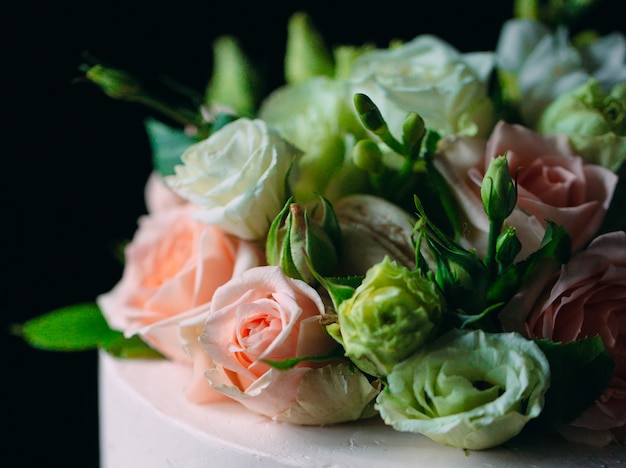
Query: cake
x: 407, y: 255
x: 146, y: 421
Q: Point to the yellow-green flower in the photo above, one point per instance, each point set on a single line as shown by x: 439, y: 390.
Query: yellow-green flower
x: 392, y: 314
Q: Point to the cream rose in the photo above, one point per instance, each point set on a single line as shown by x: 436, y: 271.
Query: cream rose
x: 173, y: 266
x: 237, y: 177
x: 554, y: 183
x: 588, y: 298
x: 428, y: 76
x: 258, y: 316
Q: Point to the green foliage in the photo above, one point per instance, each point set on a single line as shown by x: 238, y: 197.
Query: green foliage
x: 168, y: 144
x: 80, y: 327
x: 580, y: 372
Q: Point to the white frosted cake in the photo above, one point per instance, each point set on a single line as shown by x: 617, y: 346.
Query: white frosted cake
x: 384, y: 262
x: 147, y: 422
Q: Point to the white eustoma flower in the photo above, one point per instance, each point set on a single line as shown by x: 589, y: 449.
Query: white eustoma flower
x: 448, y: 89
x: 468, y: 389
x: 545, y: 64
x: 237, y: 177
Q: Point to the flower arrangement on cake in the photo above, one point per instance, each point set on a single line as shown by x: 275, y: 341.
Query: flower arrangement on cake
x: 431, y: 237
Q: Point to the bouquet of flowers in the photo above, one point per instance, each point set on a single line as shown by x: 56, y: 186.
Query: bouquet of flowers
x: 430, y: 236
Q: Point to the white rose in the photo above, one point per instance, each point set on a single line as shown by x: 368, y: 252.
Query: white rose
x: 237, y: 177
x: 430, y: 77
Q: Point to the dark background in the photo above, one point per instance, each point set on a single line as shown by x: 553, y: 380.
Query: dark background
x: 74, y: 169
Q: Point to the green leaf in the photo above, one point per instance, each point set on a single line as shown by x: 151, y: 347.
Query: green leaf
x: 290, y: 363
x: 131, y: 348
x: 581, y: 371
x: 80, y: 327
x: 168, y: 145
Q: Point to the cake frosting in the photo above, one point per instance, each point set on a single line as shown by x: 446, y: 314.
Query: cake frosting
x: 145, y: 420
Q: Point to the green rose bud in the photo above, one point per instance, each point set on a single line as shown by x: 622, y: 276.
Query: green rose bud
x: 498, y: 191
x: 594, y: 121
x: 233, y: 81
x: 306, y: 55
x: 393, y: 313
x: 471, y: 390
x: 295, y: 236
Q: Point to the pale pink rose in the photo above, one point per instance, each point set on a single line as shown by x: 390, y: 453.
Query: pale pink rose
x: 553, y: 183
x: 173, y: 266
x: 587, y: 298
x: 261, y: 315
x: 159, y: 196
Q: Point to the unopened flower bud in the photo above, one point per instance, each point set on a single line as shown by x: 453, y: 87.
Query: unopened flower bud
x: 507, y: 247
x: 413, y: 131
x: 296, y: 238
x: 367, y: 155
x: 115, y: 83
x: 233, y: 80
x: 307, y: 55
x: 498, y: 192
x: 369, y: 114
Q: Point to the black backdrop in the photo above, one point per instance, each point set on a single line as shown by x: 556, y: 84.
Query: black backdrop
x: 74, y: 168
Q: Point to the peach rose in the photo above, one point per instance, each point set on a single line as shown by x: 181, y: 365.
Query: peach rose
x: 173, y: 266
x: 553, y: 183
x: 158, y: 196
x: 261, y: 315
x: 586, y: 298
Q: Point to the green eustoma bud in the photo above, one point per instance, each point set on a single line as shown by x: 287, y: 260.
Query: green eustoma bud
x: 413, y: 132
x: 121, y: 85
x: 367, y: 155
x: 507, y: 247
x: 115, y: 83
x: 296, y: 236
x: 372, y: 119
x: 498, y: 192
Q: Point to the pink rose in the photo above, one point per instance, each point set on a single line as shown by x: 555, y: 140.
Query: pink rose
x: 588, y: 298
x: 173, y: 266
x: 159, y: 196
x: 261, y: 315
x: 553, y: 183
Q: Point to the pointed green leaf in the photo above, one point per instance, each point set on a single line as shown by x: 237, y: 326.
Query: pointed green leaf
x: 74, y: 328
x: 80, y: 327
x: 167, y: 144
